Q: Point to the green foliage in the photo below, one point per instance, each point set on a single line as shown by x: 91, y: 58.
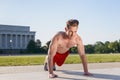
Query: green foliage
x: 48, y: 43
x: 36, y: 47
x: 31, y: 47
x: 44, y: 49
x: 89, y: 48
x: 106, y: 47
x: 100, y: 47
x: 38, y: 43
x: 73, y: 50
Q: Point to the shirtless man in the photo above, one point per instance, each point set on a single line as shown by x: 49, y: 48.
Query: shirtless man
x: 60, y: 45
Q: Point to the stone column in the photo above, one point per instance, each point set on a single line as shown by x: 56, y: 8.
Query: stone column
x: 0, y: 41
x: 20, y: 41
x: 6, y: 41
x: 28, y: 38
x: 33, y: 37
x: 11, y: 41
x: 16, y: 41
x: 25, y: 41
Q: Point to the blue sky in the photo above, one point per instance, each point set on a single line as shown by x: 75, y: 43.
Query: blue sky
x: 99, y: 19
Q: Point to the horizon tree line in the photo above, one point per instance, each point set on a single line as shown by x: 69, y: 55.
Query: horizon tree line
x: 98, y: 47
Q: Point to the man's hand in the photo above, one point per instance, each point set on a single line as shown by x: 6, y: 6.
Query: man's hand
x: 88, y: 74
x: 53, y: 75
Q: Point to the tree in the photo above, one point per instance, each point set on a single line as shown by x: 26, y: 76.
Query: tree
x: 99, y: 47
x: 38, y: 46
x: 89, y: 48
x: 106, y: 47
x: 119, y: 46
x: 48, y: 43
x: 73, y: 50
x: 38, y: 43
x: 31, y: 47
x: 114, y: 47
x: 44, y: 49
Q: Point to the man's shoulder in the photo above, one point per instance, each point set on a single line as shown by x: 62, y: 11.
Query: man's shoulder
x: 59, y: 34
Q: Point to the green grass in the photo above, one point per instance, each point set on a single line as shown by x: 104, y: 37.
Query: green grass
x: 71, y: 59
x: 21, y: 60
x: 94, y: 58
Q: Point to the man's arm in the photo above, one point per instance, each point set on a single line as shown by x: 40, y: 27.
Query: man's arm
x: 81, y: 52
x: 51, y: 53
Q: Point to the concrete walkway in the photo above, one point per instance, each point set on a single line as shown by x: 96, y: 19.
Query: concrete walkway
x: 101, y: 71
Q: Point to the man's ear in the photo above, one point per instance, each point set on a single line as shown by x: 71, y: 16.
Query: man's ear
x: 66, y: 28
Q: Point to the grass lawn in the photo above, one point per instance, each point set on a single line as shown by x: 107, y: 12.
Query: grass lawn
x: 94, y: 58
x: 71, y: 59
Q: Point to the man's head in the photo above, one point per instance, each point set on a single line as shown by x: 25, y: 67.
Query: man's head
x: 71, y: 27
x: 72, y: 23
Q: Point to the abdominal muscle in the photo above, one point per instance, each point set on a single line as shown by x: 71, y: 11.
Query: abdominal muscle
x: 62, y: 50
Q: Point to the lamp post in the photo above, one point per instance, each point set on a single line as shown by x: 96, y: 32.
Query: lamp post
x: 11, y: 46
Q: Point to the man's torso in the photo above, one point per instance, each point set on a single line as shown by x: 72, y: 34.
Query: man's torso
x: 65, y: 43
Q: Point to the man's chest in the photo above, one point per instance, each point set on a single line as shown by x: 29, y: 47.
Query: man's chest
x: 67, y: 43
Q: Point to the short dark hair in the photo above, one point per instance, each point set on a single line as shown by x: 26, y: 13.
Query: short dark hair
x: 72, y: 22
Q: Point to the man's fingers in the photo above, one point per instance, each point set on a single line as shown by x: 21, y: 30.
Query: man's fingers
x: 53, y: 76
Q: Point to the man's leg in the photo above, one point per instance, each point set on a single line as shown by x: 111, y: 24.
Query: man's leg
x: 46, y: 64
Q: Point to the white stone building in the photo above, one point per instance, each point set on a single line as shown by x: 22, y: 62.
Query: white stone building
x: 15, y: 37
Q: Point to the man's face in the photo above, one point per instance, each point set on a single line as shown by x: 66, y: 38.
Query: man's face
x: 72, y: 31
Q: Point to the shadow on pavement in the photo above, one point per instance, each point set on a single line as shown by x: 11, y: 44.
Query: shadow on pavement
x: 95, y: 75
x: 71, y: 78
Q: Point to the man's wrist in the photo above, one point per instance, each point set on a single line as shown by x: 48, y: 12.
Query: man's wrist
x: 86, y: 72
x: 50, y: 72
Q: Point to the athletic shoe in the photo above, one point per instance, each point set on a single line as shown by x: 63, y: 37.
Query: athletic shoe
x: 45, y: 67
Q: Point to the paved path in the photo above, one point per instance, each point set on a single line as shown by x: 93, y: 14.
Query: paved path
x: 101, y: 71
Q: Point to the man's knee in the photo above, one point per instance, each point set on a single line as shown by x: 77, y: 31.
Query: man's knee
x: 46, y: 59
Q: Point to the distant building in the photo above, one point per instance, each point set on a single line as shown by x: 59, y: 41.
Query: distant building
x: 15, y: 37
